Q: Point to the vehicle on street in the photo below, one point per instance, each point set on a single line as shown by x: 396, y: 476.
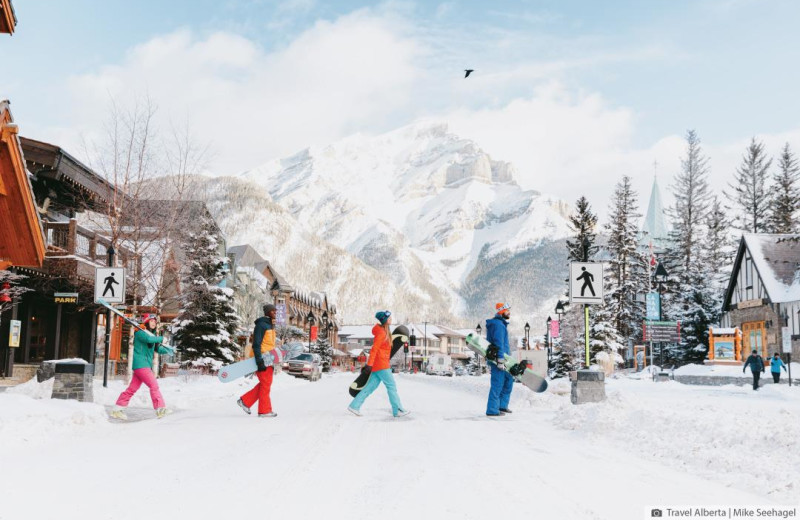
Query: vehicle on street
x: 439, y: 365
x: 305, y: 366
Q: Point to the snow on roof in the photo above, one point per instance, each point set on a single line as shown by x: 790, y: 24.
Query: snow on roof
x: 719, y: 331
x: 356, y: 331
x: 777, y: 258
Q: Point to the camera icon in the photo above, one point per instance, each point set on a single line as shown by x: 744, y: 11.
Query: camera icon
x: 656, y: 513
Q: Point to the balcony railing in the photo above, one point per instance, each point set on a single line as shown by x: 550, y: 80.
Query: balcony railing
x: 70, y: 239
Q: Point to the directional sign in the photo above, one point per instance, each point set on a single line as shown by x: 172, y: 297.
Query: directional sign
x: 586, y: 282
x: 109, y: 284
x: 786, y: 334
x: 662, y: 331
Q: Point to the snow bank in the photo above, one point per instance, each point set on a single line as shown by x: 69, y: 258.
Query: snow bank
x: 729, y: 434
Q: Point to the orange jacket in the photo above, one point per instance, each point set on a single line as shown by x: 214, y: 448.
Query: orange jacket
x: 381, y: 349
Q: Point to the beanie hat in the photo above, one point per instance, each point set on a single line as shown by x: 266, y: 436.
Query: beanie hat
x: 500, y: 308
x: 269, y: 308
x: 148, y: 317
x: 382, y: 316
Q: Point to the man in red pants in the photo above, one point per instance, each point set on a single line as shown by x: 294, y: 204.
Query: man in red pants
x: 263, y: 343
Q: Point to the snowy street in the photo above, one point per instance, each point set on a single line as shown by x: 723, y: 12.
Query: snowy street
x: 648, y: 445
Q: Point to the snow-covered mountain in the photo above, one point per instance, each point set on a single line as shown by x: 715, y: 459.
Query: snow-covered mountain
x: 447, y: 224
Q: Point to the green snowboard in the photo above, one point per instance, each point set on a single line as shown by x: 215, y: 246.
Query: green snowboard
x: 518, y: 369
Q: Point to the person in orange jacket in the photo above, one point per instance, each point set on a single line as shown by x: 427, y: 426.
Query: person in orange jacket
x: 263, y: 344
x: 378, y: 364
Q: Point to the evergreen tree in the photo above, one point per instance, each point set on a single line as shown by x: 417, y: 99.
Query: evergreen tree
x: 627, y: 274
x: 562, y: 364
x: 786, y: 198
x: 323, y: 347
x: 687, y: 298
x: 207, y: 320
x: 583, y: 223
x: 750, y: 189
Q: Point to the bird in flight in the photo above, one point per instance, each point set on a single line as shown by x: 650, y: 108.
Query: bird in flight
x: 468, y: 72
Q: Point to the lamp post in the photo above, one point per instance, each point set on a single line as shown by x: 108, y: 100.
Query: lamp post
x: 310, y: 318
x: 549, y: 341
x: 412, y: 340
x: 560, y: 311
x: 478, y: 329
x: 527, y: 336
x: 425, y: 339
x: 660, y: 278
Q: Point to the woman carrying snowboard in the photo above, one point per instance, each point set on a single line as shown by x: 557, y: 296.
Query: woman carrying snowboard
x: 378, y: 364
x: 145, y: 344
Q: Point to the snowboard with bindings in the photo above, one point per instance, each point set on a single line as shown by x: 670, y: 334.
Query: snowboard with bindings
x: 399, y: 339
x: 276, y: 356
x: 518, y: 369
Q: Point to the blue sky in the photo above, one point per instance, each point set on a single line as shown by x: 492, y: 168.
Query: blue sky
x: 601, y: 88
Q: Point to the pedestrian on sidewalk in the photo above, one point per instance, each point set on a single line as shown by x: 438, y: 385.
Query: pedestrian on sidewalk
x: 263, y: 344
x: 756, y: 367
x: 378, y: 365
x: 502, y: 383
x: 145, y: 345
x: 775, y: 365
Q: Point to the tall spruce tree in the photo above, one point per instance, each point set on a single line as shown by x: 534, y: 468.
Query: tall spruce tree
x: 750, y: 189
x: 584, y: 224
x: 207, y: 320
x: 628, y: 266
x: 687, y: 295
x: 786, y: 195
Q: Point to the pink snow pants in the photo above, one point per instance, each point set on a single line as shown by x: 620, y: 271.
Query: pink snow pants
x: 146, y: 376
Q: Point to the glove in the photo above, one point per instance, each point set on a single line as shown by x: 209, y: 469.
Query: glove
x: 260, y: 364
x: 501, y: 364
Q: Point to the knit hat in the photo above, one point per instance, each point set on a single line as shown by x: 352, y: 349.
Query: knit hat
x: 500, y: 308
x: 148, y: 317
x: 269, y: 308
x: 382, y: 316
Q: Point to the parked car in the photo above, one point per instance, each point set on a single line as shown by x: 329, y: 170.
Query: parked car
x: 306, y: 366
x: 440, y: 365
x: 460, y: 371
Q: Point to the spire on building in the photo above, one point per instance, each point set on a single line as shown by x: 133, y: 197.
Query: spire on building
x: 655, y: 226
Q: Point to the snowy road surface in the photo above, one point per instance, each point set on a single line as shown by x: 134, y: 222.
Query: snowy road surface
x: 649, y: 445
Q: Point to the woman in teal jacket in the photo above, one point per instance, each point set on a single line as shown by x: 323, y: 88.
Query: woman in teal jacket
x: 775, y: 365
x: 145, y: 345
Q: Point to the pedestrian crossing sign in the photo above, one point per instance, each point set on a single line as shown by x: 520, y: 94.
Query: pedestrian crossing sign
x: 109, y: 284
x: 586, y: 282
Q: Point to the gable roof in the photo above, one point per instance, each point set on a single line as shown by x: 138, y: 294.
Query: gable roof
x: 776, y: 259
x: 246, y: 255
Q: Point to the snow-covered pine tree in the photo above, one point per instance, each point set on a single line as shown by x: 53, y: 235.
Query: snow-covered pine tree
x: 323, y: 347
x: 562, y: 364
x: 583, y: 222
x: 286, y: 333
x: 207, y: 320
x: 786, y: 195
x: 627, y: 274
x: 750, y: 189
x: 687, y: 295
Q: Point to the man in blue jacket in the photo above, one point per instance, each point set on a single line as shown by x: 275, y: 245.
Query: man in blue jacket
x: 756, y: 367
x: 502, y: 381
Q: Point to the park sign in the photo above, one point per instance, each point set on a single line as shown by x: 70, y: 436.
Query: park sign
x: 109, y: 284
x: 586, y: 282
x: 662, y: 331
x: 65, y: 297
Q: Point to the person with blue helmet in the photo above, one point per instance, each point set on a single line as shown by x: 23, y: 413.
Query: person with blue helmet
x: 502, y: 382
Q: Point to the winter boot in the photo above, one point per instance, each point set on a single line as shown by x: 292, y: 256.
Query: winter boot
x: 505, y: 410
x: 119, y: 413
x: 162, y: 412
x: 402, y: 413
x: 354, y: 411
x: 270, y: 414
x: 243, y: 407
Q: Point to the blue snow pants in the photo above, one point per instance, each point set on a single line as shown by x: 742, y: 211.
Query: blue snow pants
x: 376, y: 378
x: 500, y: 391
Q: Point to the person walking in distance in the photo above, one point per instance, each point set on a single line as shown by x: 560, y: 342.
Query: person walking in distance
x: 775, y: 365
x: 145, y: 345
x: 380, y: 371
x: 756, y: 367
x: 502, y: 383
x: 263, y: 343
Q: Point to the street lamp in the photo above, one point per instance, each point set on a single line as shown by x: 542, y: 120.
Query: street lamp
x: 412, y: 340
x: 527, y: 336
x: 310, y: 319
x: 549, y: 341
x: 660, y: 278
x: 478, y: 329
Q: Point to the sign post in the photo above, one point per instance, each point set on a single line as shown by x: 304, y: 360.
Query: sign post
x: 586, y: 287
x: 109, y: 285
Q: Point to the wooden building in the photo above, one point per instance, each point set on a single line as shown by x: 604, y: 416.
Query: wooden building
x: 62, y: 187
x: 763, y: 294
x: 8, y: 19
